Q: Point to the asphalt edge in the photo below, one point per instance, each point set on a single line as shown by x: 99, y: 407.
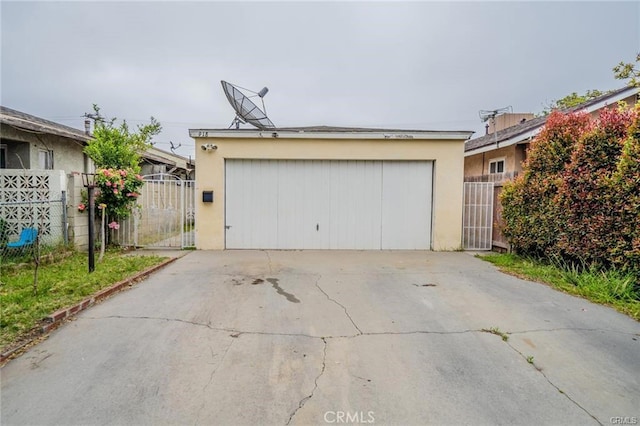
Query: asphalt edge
x: 54, y: 320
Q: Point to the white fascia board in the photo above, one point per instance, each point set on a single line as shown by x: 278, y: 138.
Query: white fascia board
x: 507, y: 142
x: 606, y: 102
x: 288, y: 134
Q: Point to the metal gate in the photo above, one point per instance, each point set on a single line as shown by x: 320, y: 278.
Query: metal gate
x: 477, y: 220
x: 166, y: 215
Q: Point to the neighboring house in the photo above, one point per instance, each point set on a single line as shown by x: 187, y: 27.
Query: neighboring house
x: 33, y: 143
x: 329, y: 188
x: 156, y: 161
x: 41, y: 163
x: 40, y: 166
x: 499, y: 155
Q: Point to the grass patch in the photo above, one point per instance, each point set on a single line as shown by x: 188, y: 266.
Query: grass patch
x: 612, y: 288
x: 60, y: 285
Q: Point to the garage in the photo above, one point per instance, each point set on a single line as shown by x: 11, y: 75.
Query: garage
x: 322, y: 204
x: 329, y: 188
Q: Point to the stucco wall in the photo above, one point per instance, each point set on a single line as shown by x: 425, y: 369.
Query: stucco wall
x: 474, y: 165
x: 478, y: 165
x: 448, y: 175
x: 78, y: 221
x: 67, y: 153
x: 520, y: 155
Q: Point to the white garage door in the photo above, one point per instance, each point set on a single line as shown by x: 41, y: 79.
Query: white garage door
x: 309, y: 204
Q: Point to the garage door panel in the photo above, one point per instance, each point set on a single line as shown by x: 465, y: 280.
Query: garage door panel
x: 355, y: 205
x: 406, y: 201
x: 251, y: 210
x: 302, y: 200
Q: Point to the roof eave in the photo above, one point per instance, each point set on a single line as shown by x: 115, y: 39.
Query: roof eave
x: 514, y: 140
x: 278, y: 133
x: 28, y: 127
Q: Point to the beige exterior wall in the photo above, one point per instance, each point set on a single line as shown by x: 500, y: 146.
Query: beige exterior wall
x: 448, y: 156
x: 520, y: 154
x: 474, y: 165
x: 478, y: 165
x: 507, y: 120
x: 67, y: 153
x: 78, y: 221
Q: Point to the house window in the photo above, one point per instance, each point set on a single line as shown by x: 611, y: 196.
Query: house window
x: 45, y: 159
x: 496, y: 166
x: 3, y: 156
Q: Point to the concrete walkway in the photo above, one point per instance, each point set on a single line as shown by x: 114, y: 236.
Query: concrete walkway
x: 290, y: 337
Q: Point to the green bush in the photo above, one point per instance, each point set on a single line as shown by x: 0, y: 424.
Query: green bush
x: 624, y: 251
x: 586, y: 197
x: 533, y: 220
x: 578, y: 198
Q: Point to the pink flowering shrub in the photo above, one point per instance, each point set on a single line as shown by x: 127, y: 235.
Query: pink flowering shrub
x: 118, y: 190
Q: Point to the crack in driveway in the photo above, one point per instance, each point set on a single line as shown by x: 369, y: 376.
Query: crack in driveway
x: 238, y: 332
x: 576, y: 403
x: 337, y: 303
x: 304, y: 400
x: 529, y: 361
x: 269, y: 261
x: 213, y: 373
x: 542, y: 330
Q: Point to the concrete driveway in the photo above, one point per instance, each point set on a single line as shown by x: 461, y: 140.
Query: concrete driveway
x: 289, y: 337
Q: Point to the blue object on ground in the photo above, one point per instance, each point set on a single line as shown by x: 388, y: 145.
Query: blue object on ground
x: 27, y: 237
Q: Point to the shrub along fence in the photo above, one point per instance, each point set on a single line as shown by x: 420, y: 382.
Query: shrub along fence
x: 578, y: 198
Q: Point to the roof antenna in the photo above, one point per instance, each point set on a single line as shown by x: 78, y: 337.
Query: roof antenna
x: 486, y: 115
x: 173, y: 147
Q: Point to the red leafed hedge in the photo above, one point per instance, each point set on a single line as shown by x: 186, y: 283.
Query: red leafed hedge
x: 579, y: 195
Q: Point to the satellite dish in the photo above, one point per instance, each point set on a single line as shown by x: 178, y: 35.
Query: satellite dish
x: 246, y: 110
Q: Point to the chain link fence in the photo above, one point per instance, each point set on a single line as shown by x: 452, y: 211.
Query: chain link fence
x: 32, y: 227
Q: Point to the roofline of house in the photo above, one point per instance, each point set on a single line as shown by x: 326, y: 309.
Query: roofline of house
x: 531, y: 133
x: 326, y: 134
x: 30, y: 123
x: 146, y: 155
x: 522, y: 137
x: 155, y: 152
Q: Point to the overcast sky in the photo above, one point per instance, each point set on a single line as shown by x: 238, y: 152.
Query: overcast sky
x: 415, y: 65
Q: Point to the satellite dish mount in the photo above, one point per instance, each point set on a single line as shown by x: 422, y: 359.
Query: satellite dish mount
x: 246, y: 110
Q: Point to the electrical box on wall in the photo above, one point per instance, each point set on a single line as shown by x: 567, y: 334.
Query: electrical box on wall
x: 207, y: 196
